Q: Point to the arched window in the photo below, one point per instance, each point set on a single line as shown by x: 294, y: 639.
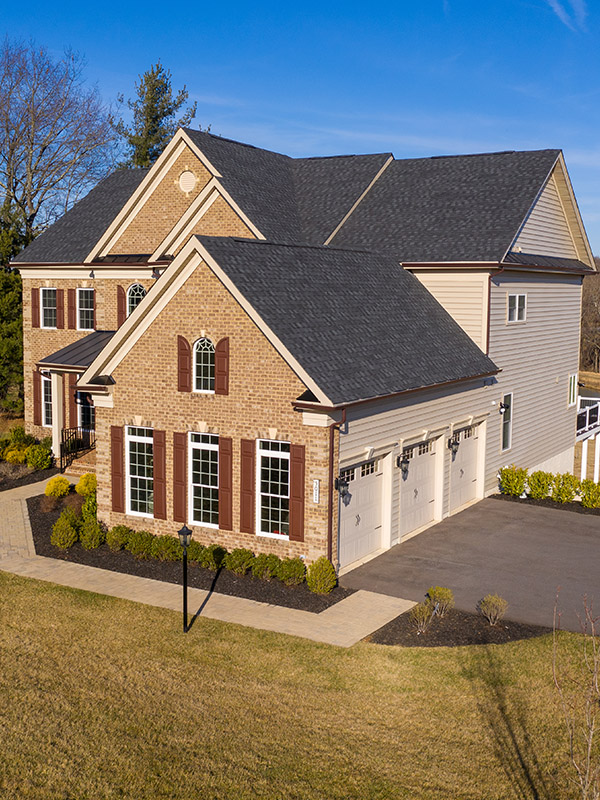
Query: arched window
x: 135, y: 295
x: 204, y: 366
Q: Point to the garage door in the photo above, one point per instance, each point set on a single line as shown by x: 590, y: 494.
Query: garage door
x: 463, y: 468
x: 417, y: 486
x: 360, y: 512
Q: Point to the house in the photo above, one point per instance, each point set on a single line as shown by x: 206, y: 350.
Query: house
x: 317, y: 356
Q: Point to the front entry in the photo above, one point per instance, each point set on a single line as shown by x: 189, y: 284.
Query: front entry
x: 417, y: 486
x: 360, y: 512
x: 463, y: 468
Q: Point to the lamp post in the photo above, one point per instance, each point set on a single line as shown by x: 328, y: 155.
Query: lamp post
x: 185, y: 537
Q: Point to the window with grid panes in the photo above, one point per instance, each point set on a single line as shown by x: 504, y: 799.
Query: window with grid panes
x: 135, y: 295
x: 369, y: 468
x: 48, y: 308
x: 203, y: 470
x: 273, y: 487
x: 140, y: 471
x: 85, y: 309
x: 204, y: 366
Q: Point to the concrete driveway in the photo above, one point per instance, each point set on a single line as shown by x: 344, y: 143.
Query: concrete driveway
x: 521, y: 552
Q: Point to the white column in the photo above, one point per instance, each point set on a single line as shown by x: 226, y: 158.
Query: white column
x: 58, y: 411
x: 584, y: 448
x: 596, y: 458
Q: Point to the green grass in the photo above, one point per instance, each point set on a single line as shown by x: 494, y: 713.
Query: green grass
x: 101, y: 698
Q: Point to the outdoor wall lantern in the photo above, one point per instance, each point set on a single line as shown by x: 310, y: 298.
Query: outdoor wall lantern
x: 185, y: 537
x: 341, y: 484
x: 403, y: 462
x: 453, y: 445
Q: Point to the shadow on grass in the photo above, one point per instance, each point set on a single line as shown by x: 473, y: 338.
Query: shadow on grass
x: 206, y: 599
x: 506, y: 722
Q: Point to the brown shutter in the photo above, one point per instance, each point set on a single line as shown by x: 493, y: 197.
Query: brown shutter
x: 222, y: 366
x: 35, y: 308
x: 247, y: 486
x: 72, y: 400
x: 37, y: 398
x: 297, y: 456
x: 184, y: 365
x: 121, y: 306
x: 179, y: 477
x: 60, y: 308
x: 225, y: 483
x: 71, y: 309
x: 94, y: 302
x: 117, y: 474
x: 160, y: 474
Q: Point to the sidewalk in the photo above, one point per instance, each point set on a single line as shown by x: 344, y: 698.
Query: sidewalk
x: 343, y: 624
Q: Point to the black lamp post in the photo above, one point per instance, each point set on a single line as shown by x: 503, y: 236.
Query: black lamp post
x: 185, y: 537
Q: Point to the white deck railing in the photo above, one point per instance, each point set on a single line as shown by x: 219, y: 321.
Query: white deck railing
x: 588, y: 416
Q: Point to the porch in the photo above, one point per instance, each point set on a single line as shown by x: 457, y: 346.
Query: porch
x: 588, y: 430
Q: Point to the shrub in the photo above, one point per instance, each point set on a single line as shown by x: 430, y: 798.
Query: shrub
x: 539, y: 484
x: 91, y: 534
x: 239, y: 561
x: 87, y: 484
x: 321, y: 577
x: 19, y: 438
x: 195, y: 550
x: 292, y: 571
x: 89, y: 510
x: 212, y: 557
x: 46, y: 443
x: 564, y: 488
x: 167, y: 548
x: 65, y: 530
x: 265, y: 566
x: 422, y: 615
x: 140, y: 543
x: 590, y: 494
x: 493, y: 607
x: 512, y: 480
x: 15, y: 455
x: 38, y: 457
x: 117, y: 537
x: 441, y: 599
x: 58, y: 486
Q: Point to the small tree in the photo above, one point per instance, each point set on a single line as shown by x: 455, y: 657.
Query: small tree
x: 11, y: 342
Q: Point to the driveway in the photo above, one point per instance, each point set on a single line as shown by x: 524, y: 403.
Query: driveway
x: 521, y: 552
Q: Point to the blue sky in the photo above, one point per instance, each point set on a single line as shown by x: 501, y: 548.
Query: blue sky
x: 427, y: 77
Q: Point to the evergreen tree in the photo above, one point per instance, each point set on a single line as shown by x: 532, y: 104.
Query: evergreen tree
x: 154, y: 117
x: 13, y: 234
x: 11, y: 342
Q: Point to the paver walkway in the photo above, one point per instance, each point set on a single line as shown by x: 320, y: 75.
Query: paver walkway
x: 343, y: 624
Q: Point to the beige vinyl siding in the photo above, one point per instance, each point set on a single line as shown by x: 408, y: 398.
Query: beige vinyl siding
x: 547, y: 231
x: 464, y: 296
x: 536, y: 357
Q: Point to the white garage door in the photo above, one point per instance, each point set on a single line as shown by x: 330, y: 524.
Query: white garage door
x: 417, y: 487
x: 463, y: 468
x: 360, y: 512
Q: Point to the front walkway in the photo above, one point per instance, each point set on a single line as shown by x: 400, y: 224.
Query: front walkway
x: 343, y: 624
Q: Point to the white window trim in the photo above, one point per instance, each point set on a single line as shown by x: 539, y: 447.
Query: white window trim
x: 200, y: 446
x: 282, y: 536
x: 133, y: 286
x: 132, y: 438
x: 85, y: 289
x: 516, y: 321
x: 572, y: 400
x: 46, y: 378
x: 512, y: 415
x: 42, y: 290
x: 202, y: 391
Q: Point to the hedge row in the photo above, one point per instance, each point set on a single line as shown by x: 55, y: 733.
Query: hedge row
x: 18, y: 447
x: 561, y: 487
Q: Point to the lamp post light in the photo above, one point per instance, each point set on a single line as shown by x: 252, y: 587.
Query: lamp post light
x: 185, y: 537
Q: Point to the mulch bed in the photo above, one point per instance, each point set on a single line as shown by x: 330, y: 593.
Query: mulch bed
x: 548, y: 503
x: 455, y: 629
x: 23, y: 476
x: 43, y: 517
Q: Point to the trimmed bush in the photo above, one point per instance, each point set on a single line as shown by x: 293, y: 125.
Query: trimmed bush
x: 140, y: 544
x: 87, y: 484
x: 167, y: 548
x: 512, y: 480
x: 195, y: 550
x: 493, y: 607
x: 539, y: 483
x: 19, y: 438
x: 118, y: 537
x: 15, y: 455
x: 292, y: 571
x: 239, y: 561
x: 590, y: 494
x: 38, y: 457
x: 89, y: 510
x: 46, y: 443
x: 212, y: 557
x: 65, y: 531
x: 421, y: 616
x: 564, y: 487
x: 441, y: 599
x: 91, y: 534
x: 266, y: 566
x: 321, y: 577
x: 58, y: 486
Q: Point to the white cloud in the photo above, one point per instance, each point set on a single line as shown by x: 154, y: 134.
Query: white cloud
x: 574, y: 17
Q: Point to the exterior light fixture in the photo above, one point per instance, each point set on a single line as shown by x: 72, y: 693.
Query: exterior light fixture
x: 185, y: 537
x: 502, y: 408
x: 341, y: 484
x: 155, y: 274
x: 453, y: 445
x: 403, y: 462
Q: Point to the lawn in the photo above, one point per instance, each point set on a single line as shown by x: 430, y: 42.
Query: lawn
x: 103, y: 698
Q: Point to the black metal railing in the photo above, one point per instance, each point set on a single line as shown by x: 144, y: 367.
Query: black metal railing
x: 73, y: 443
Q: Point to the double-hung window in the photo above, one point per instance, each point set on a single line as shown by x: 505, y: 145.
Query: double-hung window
x: 48, y: 307
x: 507, y: 403
x: 273, y: 488
x: 572, y: 389
x: 517, y: 306
x: 203, y: 469
x: 140, y: 471
x: 46, y: 401
x: 85, y: 309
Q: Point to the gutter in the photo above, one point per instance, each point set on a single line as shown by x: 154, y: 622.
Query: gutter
x: 332, y: 428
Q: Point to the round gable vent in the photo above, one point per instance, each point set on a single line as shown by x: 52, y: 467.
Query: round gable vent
x: 187, y: 181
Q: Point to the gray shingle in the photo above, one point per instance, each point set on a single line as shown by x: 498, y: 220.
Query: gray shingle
x: 82, y: 352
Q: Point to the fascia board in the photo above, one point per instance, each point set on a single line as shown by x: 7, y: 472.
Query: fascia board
x: 226, y: 196
x: 575, y: 206
x: 194, y: 147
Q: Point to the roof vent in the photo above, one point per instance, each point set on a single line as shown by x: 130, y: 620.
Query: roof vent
x: 187, y: 181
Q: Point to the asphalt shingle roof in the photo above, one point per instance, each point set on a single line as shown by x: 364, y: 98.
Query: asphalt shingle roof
x: 359, y: 324
x: 82, y: 352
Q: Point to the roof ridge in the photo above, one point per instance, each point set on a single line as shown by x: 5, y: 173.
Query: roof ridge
x: 299, y: 246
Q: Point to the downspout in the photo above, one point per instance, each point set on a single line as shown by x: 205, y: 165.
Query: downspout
x: 332, y: 428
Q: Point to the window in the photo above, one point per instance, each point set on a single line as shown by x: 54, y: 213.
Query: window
x: 85, y: 309
x: 507, y: 402
x: 140, y: 471
x: 273, y: 488
x: 204, y: 366
x: 368, y: 468
x: 86, y: 413
x: 572, y: 389
x: 203, y: 470
x: 347, y: 474
x: 48, y: 303
x: 517, y: 304
x: 46, y: 401
x: 135, y: 295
